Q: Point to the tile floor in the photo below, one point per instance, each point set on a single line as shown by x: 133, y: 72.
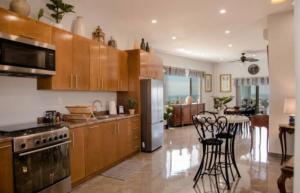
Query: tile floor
x: 172, y: 168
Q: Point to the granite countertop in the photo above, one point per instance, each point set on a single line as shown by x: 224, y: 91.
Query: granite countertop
x: 72, y: 125
x: 5, y: 139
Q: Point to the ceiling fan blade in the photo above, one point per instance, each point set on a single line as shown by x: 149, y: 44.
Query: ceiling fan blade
x: 255, y: 51
x: 252, y: 60
x: 233, y: 61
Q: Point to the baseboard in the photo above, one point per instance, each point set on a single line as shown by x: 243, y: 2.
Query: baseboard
x: 277, y: 155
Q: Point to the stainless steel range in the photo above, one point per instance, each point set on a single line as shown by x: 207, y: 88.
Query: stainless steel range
x: 41, y: 158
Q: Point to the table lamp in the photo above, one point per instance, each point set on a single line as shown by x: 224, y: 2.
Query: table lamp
x: 290, y: 109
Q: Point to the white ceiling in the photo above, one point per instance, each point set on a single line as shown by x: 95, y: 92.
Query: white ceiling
x: 197, y: 24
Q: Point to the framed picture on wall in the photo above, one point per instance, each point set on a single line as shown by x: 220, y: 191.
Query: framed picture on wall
x: 208, y: 82
x: 225, y: 83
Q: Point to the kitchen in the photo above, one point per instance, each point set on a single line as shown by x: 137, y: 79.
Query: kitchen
x: 59, y: 150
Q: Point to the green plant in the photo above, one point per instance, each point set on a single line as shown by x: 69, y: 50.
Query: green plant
x: 58, y: 10
x: 131, y: 103
x: 219, y: 102
x: 168, y: 112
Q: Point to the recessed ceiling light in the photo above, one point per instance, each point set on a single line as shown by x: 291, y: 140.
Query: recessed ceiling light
x: 277, y: 1
x: 222, y: 11
x: 229, y: 45
x: 227, y: 32
x: 253, y: 55
x: 174, y: 38
x: 221, y: 59
x: 154, y: 21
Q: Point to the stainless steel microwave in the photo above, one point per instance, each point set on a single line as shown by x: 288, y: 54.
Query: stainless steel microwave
x: 21, y: 56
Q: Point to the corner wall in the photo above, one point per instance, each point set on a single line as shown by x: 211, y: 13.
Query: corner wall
x: 282, y: 73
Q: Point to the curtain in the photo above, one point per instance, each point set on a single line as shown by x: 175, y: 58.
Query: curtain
x: 168, y: 70
x: 257, y: 81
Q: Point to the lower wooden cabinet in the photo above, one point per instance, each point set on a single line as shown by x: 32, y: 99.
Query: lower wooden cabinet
x: 100, y: 146
x: 6, y: 168
x: 182, y: 114
x: 77, y: 155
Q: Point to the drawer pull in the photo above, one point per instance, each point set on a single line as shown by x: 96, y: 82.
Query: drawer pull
x: 4, y: 147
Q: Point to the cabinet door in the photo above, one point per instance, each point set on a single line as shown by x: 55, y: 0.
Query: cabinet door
x: 6, y: 168
x: 123, y: 71
x: 186, y: 114
x: 77, y: 154
x: 135, y: 134
x: 108, y: 143
x: 123, y: 138
x: 81, y: 63
x: 110, y: 70
x: 93, y: 157
x: 12, y: 23
x: 95, y: 68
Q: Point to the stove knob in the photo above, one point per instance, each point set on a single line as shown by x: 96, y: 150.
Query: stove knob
x: 55, y: 138
x: 37, y: 142
x: 44, y: 140
x: 23, y: 145
x: 50, y: 139
x: 65, y: 135
x: 61, y: 136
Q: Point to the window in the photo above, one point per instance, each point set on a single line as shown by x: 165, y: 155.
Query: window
x: 177, y: 88
x: 248, y: 95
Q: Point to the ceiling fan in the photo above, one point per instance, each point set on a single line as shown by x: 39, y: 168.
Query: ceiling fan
x: 244, y: 59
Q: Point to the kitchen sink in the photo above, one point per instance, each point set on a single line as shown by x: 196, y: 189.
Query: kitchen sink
x: 101, y: 117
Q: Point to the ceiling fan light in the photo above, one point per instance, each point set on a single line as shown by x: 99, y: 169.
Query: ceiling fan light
x: 277, y: 1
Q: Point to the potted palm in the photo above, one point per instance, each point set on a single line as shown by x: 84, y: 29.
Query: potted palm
x: 168, y: 115
x: 220, y: 103
x: 58, y: 10
x: 131, y: 105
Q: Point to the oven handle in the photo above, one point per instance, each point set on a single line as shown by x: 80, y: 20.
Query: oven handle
x: 43, y: 149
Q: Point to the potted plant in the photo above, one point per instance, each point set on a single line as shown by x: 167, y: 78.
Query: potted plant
x: 168, y: 115
x: 131, y: 105
x: 220, y: 103
x: 58, y: 10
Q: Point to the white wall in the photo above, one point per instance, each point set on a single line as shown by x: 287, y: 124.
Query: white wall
x: 21, y: 102
x: 180, y: 62
x: 238, y: 70
x: 282, y: 73
x: 297, y: 67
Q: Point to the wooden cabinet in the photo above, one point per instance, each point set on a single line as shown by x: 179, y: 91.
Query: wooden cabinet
x: 109, y: 69
x: 63, y: 80
x: 182, y: 114
x: 77, y: 155
x: 123, y: 138
x: 81, y: 63
x: 135, y: 134
x: 93, y: 154
x: 151, y: 66
x: 108, y: 143
x: 95, y: 66
x: 15, y: 24
x: 123, y: 71
x: 6, y: 168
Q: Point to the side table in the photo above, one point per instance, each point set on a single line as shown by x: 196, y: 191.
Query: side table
x: 283, y: 130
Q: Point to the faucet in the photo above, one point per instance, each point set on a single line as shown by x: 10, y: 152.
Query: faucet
x: 95, y: 102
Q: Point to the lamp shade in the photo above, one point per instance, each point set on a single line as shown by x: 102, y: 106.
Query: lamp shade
x: 289, y: 106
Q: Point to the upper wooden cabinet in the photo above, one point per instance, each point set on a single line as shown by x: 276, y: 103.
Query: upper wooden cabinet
x: 123, y: 71
x: 6, y: 168
x: 95, y: 66
x: 81, y: 63
x: 12, y: 23
x: 151, y: 66
x: 63, y: 80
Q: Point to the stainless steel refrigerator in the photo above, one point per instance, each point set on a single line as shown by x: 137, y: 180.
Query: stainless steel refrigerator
x: 152, y: 114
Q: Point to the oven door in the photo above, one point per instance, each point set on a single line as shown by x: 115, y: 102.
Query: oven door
x: 41, y: 168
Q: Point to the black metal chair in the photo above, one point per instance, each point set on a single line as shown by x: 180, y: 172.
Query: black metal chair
x: 208, y: 126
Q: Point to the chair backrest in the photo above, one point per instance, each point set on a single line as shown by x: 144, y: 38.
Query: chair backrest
x: 208, y: 125
x: 260, y: 121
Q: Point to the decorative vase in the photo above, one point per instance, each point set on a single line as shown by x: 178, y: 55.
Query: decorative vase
x: 20, y: 6
x: 79, y: 27
x: 112, y: 42
x: 131, y: 111
x: 143, y: 45
x: 147, y: 47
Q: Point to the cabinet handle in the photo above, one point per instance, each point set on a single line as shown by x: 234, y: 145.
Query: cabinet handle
x: 76, y: 81
x: 73, y: 139
x: 4, y: 147
x: 26, y: 36
x: 71, y: 81
x: 92, y: 127
x: 98, y: 83
x: 118, y: 84
x: 102, y: 83
x: 118, y: 128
